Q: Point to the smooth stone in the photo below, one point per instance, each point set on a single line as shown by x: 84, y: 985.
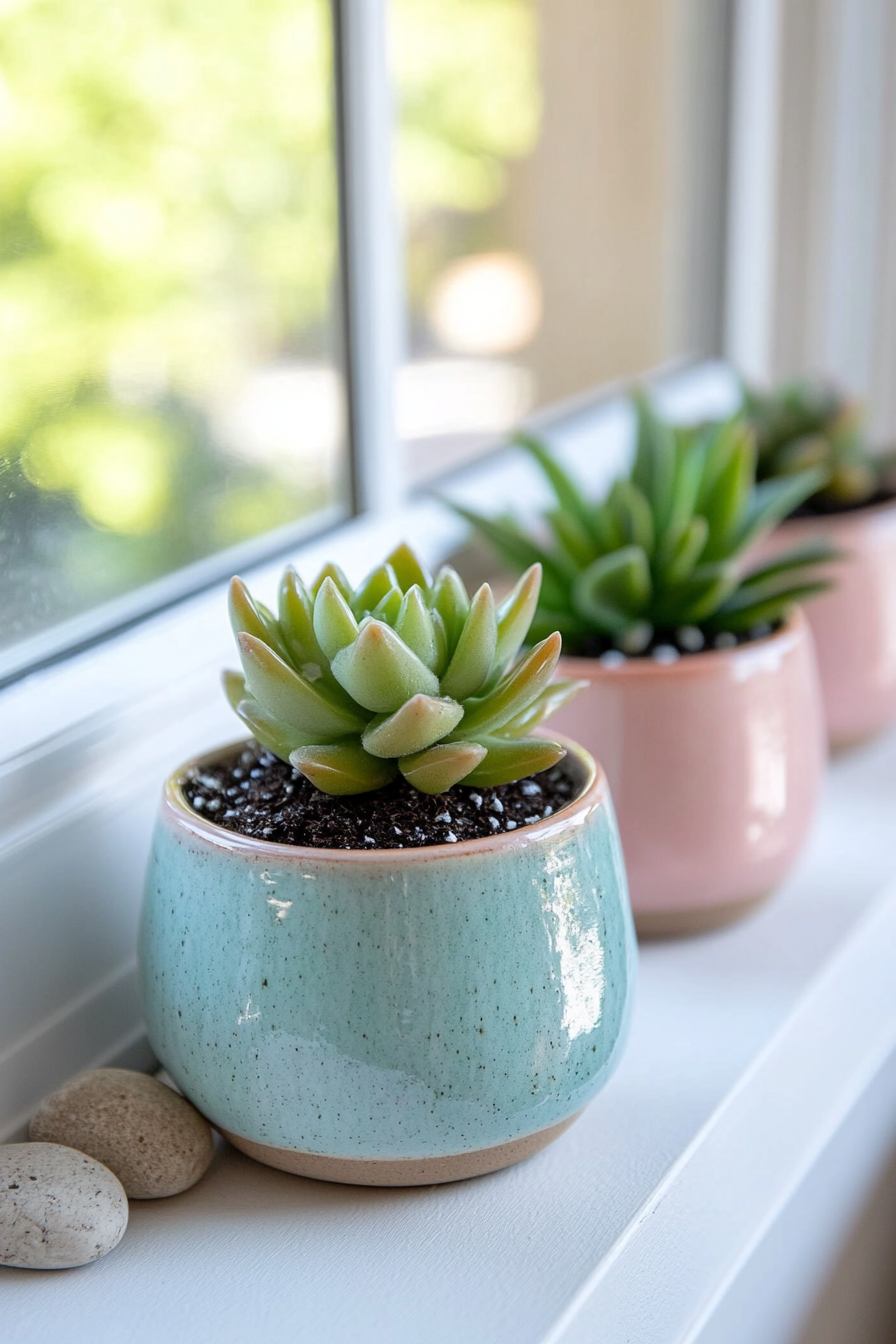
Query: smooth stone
x: 58, y: 1208
x: 154, y: 1140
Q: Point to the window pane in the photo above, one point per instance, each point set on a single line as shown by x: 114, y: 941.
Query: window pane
x: 168, y: 290
x: 562, y: 172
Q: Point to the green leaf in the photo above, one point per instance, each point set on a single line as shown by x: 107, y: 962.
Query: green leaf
x: 631, y: 511
x: 516, y: 547
x: 723, y: 504
x: 249, y: 617
x: 509, y: 761
x: 389, y: 606
x: 552, y: 698
x: 614, y: 591
x: 380, y: 672
x: 234, y: 687
x: 374, y: 588
x: 799, y: 557
x: 342, y: 768
x: 703, y: 593
x: 295, y: 607
x: 515, y: 617
x: 517, y: 690
x: 569, y: 497
x: 331, y: 571
x: 472, y: 661
x: 771, y: 608
x: 654, y: 466
x: 287, y: 695
x: 686, y: 554
x: 772, y: 501
x: 421, y: 721
x: 270, y: 731
x: 439, y: 768
x: 334, y: 624
x: 571, y: 537
x: 416, y: 627
x: 408, y: 568
x: 451, y: 602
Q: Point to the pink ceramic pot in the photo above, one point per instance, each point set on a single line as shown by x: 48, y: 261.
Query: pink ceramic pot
x: 714, y: 764
x: 854, y: 625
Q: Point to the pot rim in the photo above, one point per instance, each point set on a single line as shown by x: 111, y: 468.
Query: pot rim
x: 593, y: 793
x: 706, y: 662
x: 857, y: 514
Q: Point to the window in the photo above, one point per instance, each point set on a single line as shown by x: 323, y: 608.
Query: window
x: 561, y: 167
x: 188, y: 364
x: 169, y: 291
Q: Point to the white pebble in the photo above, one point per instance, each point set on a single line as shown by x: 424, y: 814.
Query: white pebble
x: 208, y: 783
x: 496, y: 805
x: 451, y: 838
x: 444, y: 816
x: 665, y: 654
x: 726, y: 640
x: 690, y: 638
x: 510, y: 825
x: 155, y: 1142
x: 529, y: 788
x: 494, y: 823
x: 476, y: 799
x: 58, y: 1207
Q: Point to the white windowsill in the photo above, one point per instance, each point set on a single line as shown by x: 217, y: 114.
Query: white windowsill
x: 760, y: 1080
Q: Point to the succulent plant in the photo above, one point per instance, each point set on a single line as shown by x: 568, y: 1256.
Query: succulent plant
x: 404, y: 674
x: 662, y: 557
x: 808, y: 423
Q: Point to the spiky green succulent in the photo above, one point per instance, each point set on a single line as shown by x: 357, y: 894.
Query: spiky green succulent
x: 404, y: 674
x: 664, y: 551
x: 808, y: 423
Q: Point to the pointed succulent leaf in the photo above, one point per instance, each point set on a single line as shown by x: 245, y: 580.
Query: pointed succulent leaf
x: 768, y: 609
x: 571, y: 537
x: 508, y: 761
x: 421, y: 721
x: 686, y: 552
x: 342, y: 768
x: 516, y: 547
x: 408, y: 568
x: 552, y: 698
x: 380, y: 672
x: 772, y: 501
x: 295, y: 607
x: 270, y: 731
x: 334, y: 623
x: 704, y: 592
x: 234, y: 687
x: 377, y: 584
x: 287, y: 695
x: 331, y: 571
x: 452, y: 603
x: 388, y: 607
x: 515, y: 617
x: 414, y: 623
x: 799, y: 557
x: 654, y: 466
x: 252, y: 618
x: 689, y: 455
x: 723, y: 505
x: 634, y: 520
x: 472, y: 661
x: 439, y: 768
x: 614, y: 590
x: 517, y: 690
x: 569, y: 497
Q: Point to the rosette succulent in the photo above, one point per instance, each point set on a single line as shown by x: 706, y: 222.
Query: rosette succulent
x: 404, y: 674
x: 808, y: 423
x: 663, y: 557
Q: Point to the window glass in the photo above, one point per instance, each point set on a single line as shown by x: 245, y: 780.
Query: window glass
x: 562, y: 174
x: 168, y: 290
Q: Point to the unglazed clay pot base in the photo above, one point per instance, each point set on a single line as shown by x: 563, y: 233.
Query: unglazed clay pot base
x: 683, y: 923
x: 400, y: 1171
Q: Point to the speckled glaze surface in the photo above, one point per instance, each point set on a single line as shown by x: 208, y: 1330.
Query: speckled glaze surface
x: 392, y: 1004
x: 854, y: 625
x: 715, y: 764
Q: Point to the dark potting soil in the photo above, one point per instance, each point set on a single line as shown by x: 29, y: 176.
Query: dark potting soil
x: 667, y: 646
x: 256, y: 794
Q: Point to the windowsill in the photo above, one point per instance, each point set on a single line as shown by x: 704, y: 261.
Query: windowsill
x: 752, y: 1051
x: 759, y: 1057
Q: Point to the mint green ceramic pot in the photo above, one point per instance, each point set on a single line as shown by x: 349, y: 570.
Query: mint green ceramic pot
x: 390, y: 1017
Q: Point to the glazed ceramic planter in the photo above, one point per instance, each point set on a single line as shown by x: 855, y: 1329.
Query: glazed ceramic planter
x: 390, y: 1017
x: 854, y: 625
x: 715, y: 763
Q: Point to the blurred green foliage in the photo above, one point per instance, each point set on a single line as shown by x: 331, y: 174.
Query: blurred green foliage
x: 168, y: 222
